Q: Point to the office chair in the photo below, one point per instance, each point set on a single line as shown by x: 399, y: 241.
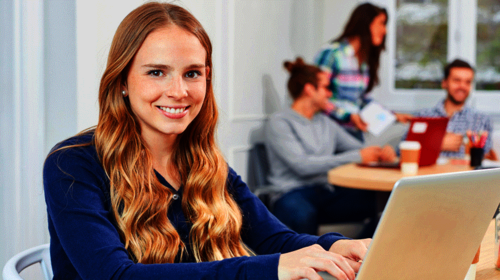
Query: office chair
x: 263, y: 189
x: 259, y: 170
x: 39, y: 254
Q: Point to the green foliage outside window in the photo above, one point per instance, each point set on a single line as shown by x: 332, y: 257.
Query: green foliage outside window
x: 488, y: 45
x: 421, y: 43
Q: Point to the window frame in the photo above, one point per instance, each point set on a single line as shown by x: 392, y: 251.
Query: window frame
x: 462, y: 30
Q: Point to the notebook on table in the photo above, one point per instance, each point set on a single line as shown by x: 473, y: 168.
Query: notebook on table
x: 432, y: 226
x: 429, y: 132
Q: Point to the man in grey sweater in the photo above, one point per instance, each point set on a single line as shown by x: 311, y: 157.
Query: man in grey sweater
x: 302, y: 145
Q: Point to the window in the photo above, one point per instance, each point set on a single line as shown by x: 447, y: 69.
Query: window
x: 421, y: 43
x: 488, y: 45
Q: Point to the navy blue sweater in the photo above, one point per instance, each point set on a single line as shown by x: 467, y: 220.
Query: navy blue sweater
x: 85, y: 243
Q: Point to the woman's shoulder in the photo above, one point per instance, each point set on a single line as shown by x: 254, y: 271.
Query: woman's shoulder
x: 330, y: 48
x: 75, y: 149
x: 337, y: 46
x: 81, y: 138
x: 235, y: 182
x: 76, y: 160
x: 330, y: 53
x: 232, y: 176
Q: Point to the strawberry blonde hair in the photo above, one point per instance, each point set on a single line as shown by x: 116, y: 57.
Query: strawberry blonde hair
x: 140, y: 202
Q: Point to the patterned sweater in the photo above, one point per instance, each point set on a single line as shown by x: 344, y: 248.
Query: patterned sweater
x: 348, y: 81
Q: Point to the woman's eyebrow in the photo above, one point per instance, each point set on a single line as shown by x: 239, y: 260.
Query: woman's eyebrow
x: 158, y: 66
x: 167, y: 67
x: 196, y: 66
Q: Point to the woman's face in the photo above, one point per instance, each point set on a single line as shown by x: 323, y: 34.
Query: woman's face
x: 378, y: 29
x: 166, y: 83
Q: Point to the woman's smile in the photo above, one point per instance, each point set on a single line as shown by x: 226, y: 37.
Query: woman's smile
x: 174, y: 112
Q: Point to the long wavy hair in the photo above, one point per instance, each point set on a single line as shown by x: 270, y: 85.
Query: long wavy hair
x: 140, y: 202
x: 358, y: 25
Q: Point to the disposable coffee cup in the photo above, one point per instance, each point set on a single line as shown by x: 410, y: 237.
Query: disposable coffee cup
x: 410, y: 156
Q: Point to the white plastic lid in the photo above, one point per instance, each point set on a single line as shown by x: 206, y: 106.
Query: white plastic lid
x: 409, y: 145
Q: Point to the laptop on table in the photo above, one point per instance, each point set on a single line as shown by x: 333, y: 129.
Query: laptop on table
x: 432, y: 226
x: 429, y: 132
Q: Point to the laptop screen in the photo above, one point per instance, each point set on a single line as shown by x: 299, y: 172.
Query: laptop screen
x: 430, y: 133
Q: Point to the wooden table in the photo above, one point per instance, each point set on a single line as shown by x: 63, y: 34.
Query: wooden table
x: 378, y: 178
x: 486, y: 265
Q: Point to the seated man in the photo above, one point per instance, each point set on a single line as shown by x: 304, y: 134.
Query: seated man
x: 457, y: 81
x: 303, y: 144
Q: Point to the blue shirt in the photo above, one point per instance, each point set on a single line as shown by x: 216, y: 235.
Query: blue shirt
x: 463, y: 120
x: 85, y: 242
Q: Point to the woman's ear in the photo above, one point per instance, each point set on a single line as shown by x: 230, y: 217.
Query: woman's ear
x: 124, y: 90
x: 124, y: 86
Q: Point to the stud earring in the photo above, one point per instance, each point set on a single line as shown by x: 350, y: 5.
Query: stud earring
x: 124, y: 92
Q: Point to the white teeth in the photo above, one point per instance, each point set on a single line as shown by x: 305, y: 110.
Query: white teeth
x: 172, y: 110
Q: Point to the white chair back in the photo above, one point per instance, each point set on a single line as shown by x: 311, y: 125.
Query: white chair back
x: 39, y: 254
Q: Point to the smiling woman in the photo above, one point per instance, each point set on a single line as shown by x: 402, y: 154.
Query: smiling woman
x: 147, y: 194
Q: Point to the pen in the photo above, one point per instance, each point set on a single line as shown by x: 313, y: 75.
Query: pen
x: 482, y: 141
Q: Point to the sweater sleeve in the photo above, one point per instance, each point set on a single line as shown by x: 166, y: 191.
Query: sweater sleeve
x: 346, y: 143
x: 86, y: 244
x: 282, y: 140
x: 264, y: 233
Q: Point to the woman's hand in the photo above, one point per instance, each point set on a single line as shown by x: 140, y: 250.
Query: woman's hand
x: 358, y: 122
x: 305, y: 263
x: 353, y: 250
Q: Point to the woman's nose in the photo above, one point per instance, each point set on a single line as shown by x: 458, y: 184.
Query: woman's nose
x: 178, y: 88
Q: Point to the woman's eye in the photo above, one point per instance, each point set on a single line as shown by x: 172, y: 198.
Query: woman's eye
x: 193, y: 74
x: 156, y: 73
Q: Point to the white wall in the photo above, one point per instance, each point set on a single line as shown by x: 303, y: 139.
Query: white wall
x: 22, y: 128
x: 258, y: 42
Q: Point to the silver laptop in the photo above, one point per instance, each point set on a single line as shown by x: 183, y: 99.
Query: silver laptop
x: 432, y: 226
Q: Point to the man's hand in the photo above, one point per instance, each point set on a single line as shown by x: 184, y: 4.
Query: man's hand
x: 452, y: 142
x: 353, y: 250
x: 403, y: 118
x: 305, y: 263
x: 370, y: 154
x: 388, y: 154
x: 358, y: 122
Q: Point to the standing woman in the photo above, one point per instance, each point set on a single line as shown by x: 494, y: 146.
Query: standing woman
x: 146, y: 194
x: 353, y: 61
